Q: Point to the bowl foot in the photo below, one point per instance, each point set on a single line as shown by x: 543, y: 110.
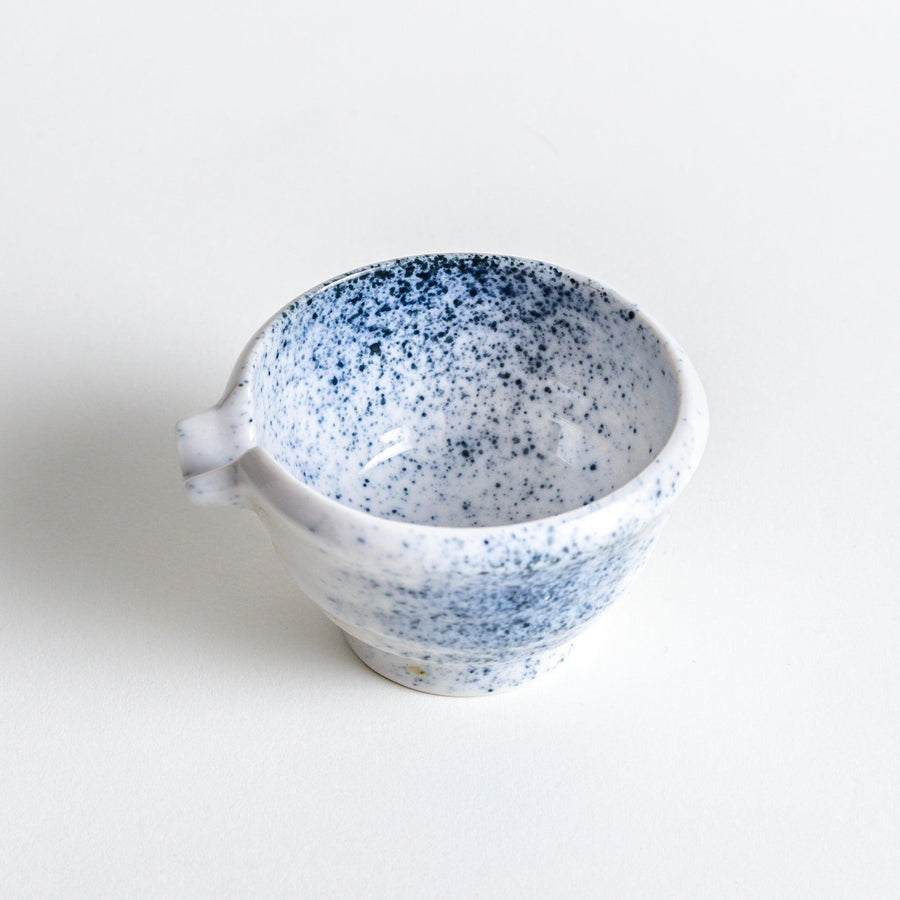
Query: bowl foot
x: 466, y: 679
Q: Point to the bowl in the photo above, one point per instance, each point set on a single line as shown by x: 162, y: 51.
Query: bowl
x: 461, y: 458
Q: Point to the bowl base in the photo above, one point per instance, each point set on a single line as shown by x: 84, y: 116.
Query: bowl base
x: 466, y: 679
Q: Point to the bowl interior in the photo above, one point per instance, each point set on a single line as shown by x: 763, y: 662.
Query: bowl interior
x: 463, y: 390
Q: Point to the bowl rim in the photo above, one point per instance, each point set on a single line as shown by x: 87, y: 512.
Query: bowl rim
x: 684, y: 446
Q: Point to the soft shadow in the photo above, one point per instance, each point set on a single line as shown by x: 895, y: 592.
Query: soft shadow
x: 98, y: 521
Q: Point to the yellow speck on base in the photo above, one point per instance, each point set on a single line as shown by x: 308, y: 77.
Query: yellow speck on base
x: 416, y: 670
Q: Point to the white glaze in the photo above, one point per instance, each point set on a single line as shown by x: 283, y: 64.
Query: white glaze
x: 462, y: 459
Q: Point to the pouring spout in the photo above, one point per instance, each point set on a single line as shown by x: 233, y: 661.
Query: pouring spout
x: 210, y: 444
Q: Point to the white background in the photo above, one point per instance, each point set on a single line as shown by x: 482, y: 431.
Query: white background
x: 174, y: 721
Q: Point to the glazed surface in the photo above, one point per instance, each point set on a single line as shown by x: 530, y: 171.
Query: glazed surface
x: 462, y: 390
x: 455, y: 390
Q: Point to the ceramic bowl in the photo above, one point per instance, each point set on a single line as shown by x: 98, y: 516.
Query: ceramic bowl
x: 462, y: 459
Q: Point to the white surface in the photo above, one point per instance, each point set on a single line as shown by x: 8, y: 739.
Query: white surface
x: 173, y: 722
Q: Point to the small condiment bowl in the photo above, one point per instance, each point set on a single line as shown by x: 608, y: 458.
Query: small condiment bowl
x: 461, y: 458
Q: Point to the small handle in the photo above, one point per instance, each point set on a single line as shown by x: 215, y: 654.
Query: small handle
x: 209, y: 447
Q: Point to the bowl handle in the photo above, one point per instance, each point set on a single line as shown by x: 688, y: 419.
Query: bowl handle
x: 209, y: 447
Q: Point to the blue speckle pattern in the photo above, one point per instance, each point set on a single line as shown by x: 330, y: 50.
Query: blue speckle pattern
x: 462, y: 391
x: 462, y: 459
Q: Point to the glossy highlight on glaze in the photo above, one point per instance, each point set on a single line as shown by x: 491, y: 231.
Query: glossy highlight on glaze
x: 461, y: 458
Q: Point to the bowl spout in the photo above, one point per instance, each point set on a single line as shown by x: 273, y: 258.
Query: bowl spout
x: 210, y: 444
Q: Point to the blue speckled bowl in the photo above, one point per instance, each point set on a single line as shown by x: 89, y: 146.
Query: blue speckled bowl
x: 462, y: 459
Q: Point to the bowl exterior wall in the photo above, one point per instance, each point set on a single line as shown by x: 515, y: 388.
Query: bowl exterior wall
x: 495, y: 610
